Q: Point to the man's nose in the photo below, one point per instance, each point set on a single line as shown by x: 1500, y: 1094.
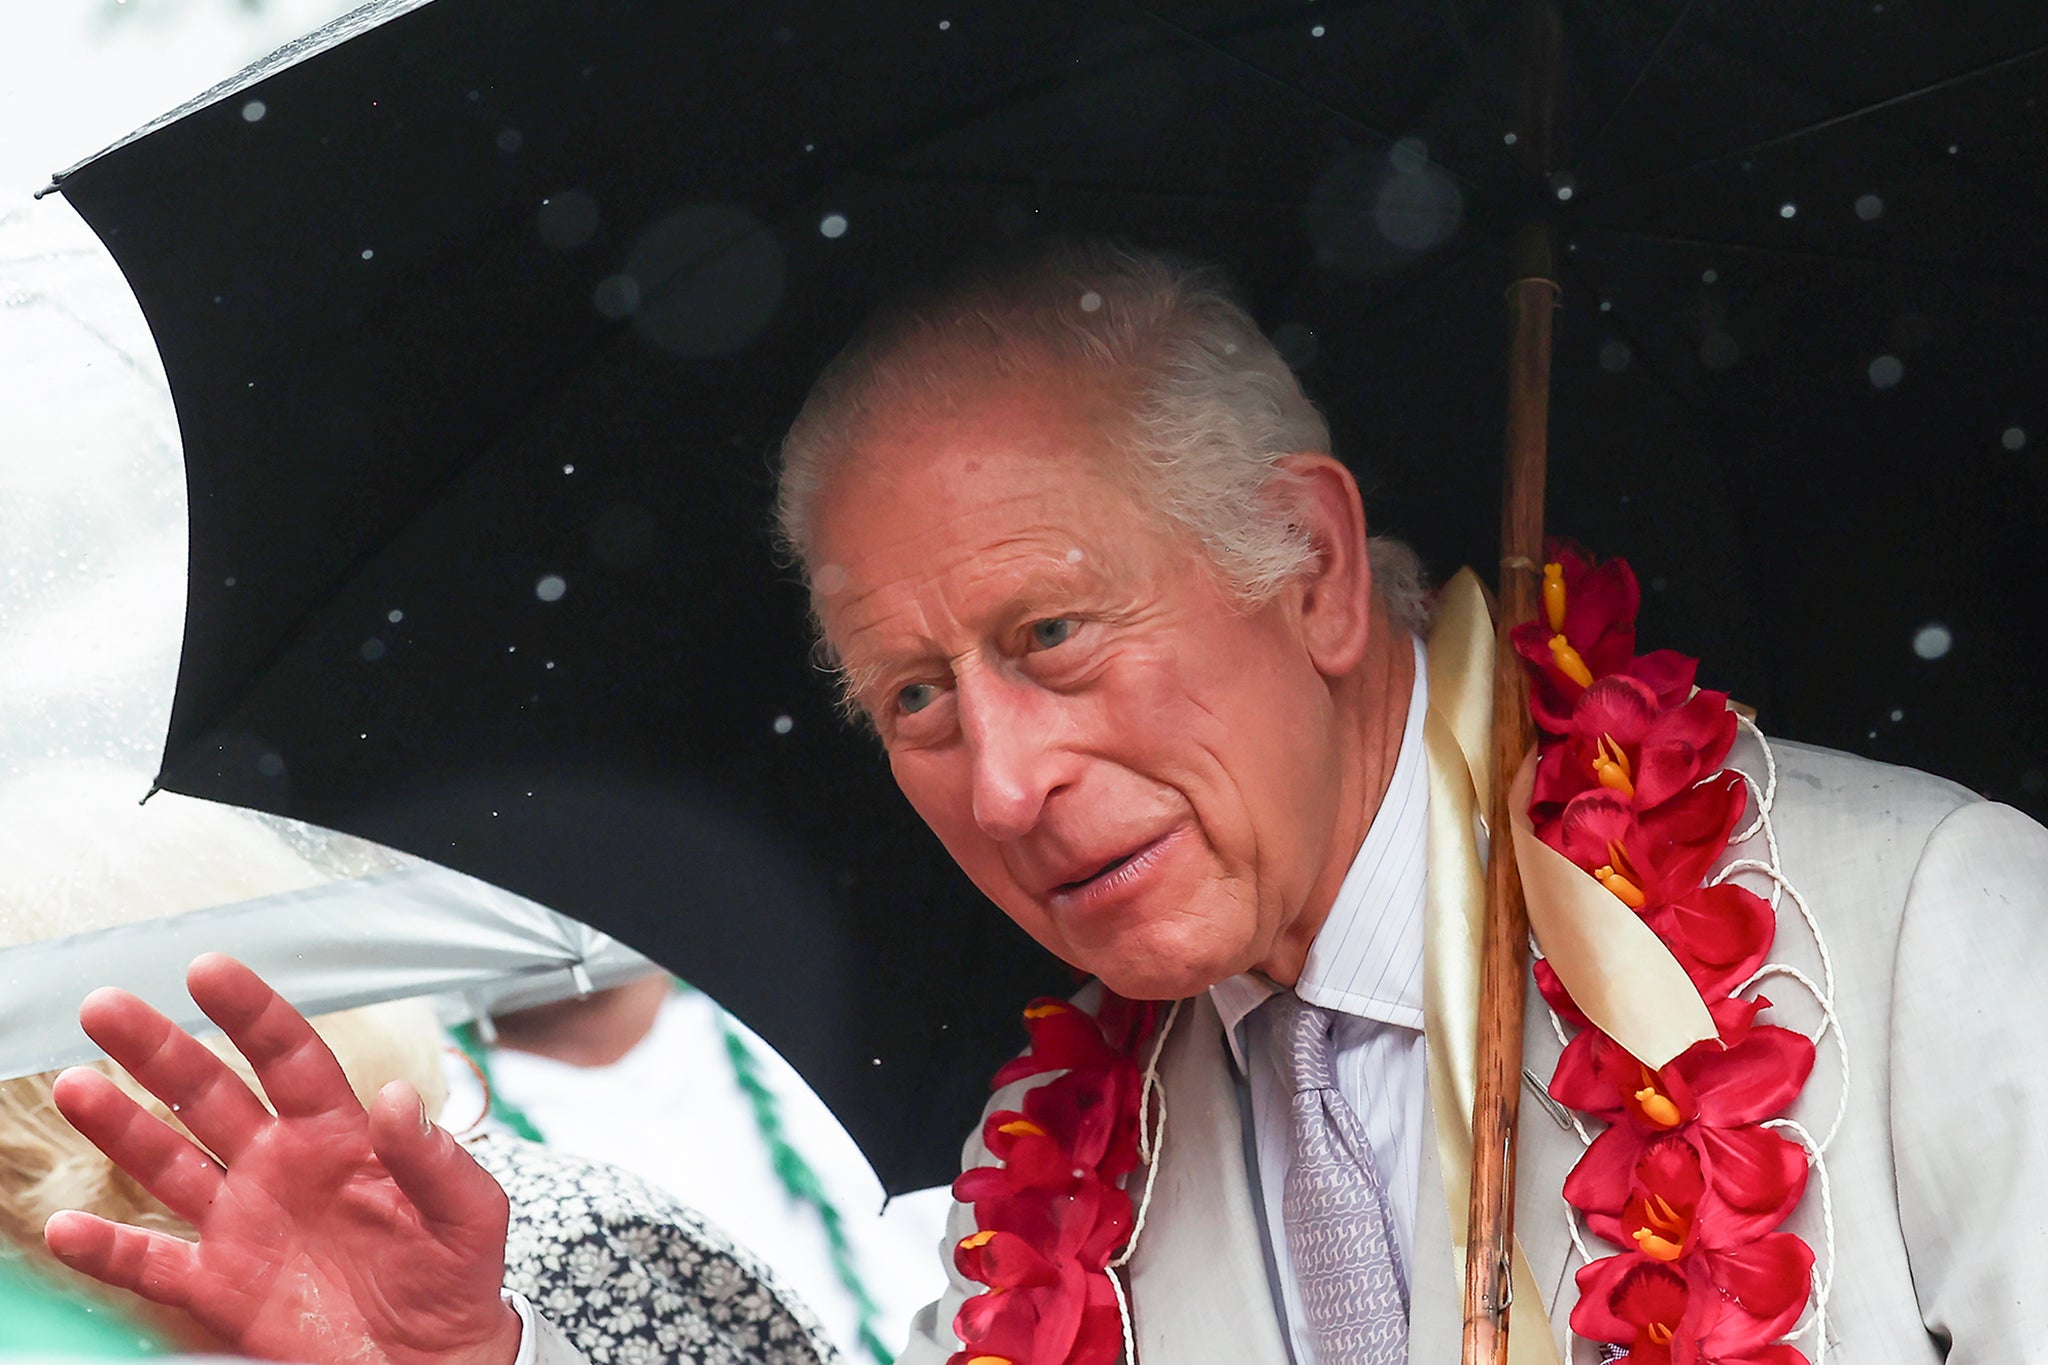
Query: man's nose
x: 1015, y: 733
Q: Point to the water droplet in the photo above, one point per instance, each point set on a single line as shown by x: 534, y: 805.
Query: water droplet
x: 945, y: 24
x: 551, y: 587
x: 1316, y: 32
x: 373, y: 649
x: 1091, y: 302
x: 2013, y: 438
x: 394, y: 616
x: 876, y: 1061
x: 1074, y: 555
x: 271, y: 765
x: 550, y: 666
x: 832, y: 225
x: 1510, y: 138
x: 1933, y: 640
x: 1607, y: 305
x: 1788, y: 210
x: 1710, y: 276
x: 568, y: 469
x: 1886, y: 371
x: 1869, y: 207
x: 1564, y: 191
x: 1409, y: 156
x: 1953, y: 149
x: 1897, y: 715
x: 829, y: 580
x: 1720, y: 351
x: 616, y: 296
x: 567, y: 220
x: 1615, y: 356
x: 783, y: 725
x: 229, y: 580
x: 368, y: 254
x: 511, y: 649
x: 254, y: 110
x: 510, y: 140
x: 364, y: 734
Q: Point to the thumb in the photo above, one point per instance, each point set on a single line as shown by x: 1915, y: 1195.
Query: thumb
x: 441, y: 1179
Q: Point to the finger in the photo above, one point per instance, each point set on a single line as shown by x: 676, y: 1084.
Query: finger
x: 183, y: 1178
x: 172, y: 1065
x: 298, y: 1072
x: 155, y: 1265
x: 443, y: 1181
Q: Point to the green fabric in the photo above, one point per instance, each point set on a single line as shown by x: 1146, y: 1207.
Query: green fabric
x: 39, y: 1317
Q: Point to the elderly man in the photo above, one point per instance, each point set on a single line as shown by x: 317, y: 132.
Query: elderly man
x: 1083, y: 559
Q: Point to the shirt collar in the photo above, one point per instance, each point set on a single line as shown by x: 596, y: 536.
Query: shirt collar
x: 1366, y: 960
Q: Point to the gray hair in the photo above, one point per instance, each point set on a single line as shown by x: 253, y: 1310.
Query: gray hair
x: 1209, y: 407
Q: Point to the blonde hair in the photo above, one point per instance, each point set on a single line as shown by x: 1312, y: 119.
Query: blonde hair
x: 78, y: 852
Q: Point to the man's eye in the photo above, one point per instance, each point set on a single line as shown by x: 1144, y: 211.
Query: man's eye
x: 1047, y: 634
x: 915, y: 698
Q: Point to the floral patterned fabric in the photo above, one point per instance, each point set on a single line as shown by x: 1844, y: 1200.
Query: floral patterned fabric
x: 630, y: 1276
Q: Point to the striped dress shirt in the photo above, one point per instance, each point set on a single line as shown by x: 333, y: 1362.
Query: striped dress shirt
x: 1365, y: 965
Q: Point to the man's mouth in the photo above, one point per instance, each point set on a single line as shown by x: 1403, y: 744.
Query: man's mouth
x: 1110, y: 880
x: 1101, y: 872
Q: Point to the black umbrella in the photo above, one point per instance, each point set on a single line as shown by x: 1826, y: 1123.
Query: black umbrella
x: 482, y: 325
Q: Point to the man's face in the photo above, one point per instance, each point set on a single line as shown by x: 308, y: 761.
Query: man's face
x: 1136, y: 770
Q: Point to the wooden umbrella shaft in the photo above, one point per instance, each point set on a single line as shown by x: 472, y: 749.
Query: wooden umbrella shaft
x: 1504, y: 947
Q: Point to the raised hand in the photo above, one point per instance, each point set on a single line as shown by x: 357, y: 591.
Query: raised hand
x: 326, y: 1233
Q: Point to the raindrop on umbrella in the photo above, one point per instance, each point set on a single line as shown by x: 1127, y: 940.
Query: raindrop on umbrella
x: 1720, y: 351
x: 568, y: 219
x: 1615, y: 356
x: 372, y: 650
x: 254, y: 110
x: 707, y: 279
x: 551, y: 587
x: 1933, y: 640
x: 394, y: 616
x: 2013, y: 438
x: 832, y: 225
x: 1869, y: 208
x: 783, y: 725
x: 510, y: 140
x: 1886, y: 371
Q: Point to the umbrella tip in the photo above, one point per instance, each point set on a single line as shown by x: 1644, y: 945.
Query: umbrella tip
x: 154, y: 788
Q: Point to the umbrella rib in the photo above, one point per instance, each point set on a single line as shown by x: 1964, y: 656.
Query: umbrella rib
x: 1799, y: 254
x: 1189, y: 36
x: 1642, y: 73
x: 1833, y: 121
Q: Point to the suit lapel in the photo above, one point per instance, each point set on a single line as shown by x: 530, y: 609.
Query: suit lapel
x: 1200, y: 1294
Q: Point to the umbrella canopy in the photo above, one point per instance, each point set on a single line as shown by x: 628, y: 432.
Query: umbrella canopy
x: 482, y: 320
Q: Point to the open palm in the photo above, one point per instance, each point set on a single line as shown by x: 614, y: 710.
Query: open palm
x: 326, y: 1233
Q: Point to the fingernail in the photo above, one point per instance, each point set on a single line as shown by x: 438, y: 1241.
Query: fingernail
x: 426, y: 1124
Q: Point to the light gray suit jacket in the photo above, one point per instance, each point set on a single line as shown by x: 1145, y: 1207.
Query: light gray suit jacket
x: 1934, y: 907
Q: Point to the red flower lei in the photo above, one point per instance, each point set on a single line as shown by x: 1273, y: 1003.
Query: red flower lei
x: 1054, y: 1215
x: 1630, y: 787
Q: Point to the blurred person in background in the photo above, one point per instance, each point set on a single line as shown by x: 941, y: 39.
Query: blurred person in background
x: 620, y: 1269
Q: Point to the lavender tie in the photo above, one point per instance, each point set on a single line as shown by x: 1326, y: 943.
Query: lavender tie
x: 1340, y: 1223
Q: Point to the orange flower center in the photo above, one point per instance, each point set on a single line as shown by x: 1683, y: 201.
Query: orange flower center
x: 1568, y: 661
x: 1610, y: 765
x: 1657, y: 1332
x: 1662, y: 1235
x: 1553, y: 595
x: 1657, y: 1107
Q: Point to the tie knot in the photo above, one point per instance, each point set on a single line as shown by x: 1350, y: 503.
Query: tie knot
x: 1301, y: 1039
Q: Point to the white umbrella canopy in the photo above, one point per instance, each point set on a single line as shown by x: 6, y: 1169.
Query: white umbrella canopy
x: 97, y: 890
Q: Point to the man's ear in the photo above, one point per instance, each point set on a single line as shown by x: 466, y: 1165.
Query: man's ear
x: 1335, y: 590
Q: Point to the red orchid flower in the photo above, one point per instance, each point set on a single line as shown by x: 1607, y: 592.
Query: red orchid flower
x: 1725, y: 1311
x: 1073, y: 1322
x: 1620, y: 737
x: 1747, y: 1074
x: 1663, y: 852
x: 1667, y: 1195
